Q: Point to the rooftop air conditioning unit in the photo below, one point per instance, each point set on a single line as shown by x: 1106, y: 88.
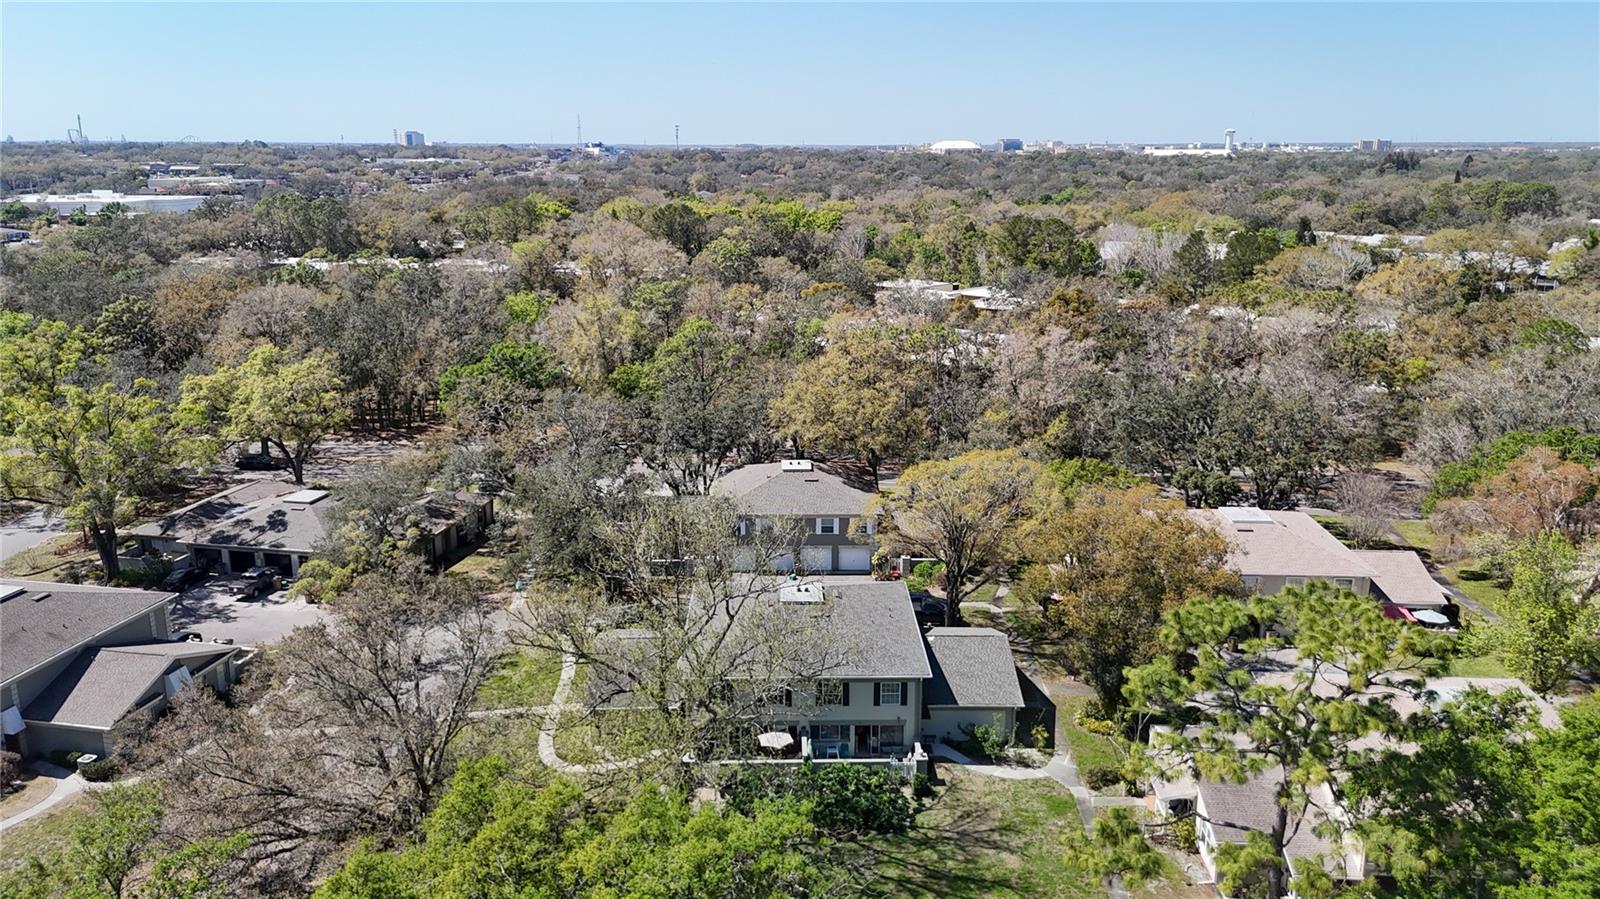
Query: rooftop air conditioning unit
x: 796, y: 465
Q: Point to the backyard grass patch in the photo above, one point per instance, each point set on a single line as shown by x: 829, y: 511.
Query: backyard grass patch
x: 48, y: 833
x: 526, y: 677
x: 1089, y: 749
x: 1418, y: 533
x: 982, y: 836
x: 1492, y: 665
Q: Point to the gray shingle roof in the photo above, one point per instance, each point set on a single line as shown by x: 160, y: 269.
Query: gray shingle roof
x: 257, y: 515
x: 34, y: 631
x: 1286, y: 543
x: 1402, y: 577
x: 879, y: 615
x: 102, y: 684
x: 1237, y: 809
x: 972, y: 666
x: 767, y: 489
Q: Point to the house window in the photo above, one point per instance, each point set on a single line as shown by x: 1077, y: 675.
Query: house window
x: 827, y: 525
x: 1295, y: 581
x: 830, y: 692
x: 891, y: 735
x: 889, y: 693
x: 1250, y: 582
x: 869, y: 527
x: 744, y: 527
x: 829, y: 731
x: 1345, y: 583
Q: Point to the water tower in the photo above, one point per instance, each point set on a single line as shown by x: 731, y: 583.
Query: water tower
x: 1227, y: 140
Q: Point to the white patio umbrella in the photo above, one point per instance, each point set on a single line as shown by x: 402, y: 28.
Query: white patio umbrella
x: 1429, y: 616
x: 775, y: 739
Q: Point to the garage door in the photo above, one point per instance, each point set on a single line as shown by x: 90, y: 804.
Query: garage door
x: 816, y: 558
x: 855, y: 558
x: 784, y: 562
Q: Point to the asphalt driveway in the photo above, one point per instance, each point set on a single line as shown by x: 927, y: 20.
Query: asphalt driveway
x: 250, y: 622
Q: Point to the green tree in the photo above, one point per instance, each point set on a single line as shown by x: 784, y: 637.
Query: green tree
x: 1449, y: 817
x: 965, y: 512
x: 680, y: 225
x: 1248, y: 251
x: 1331, y: 689
x: 288, y: 404
x: 116, y: 839
x: 863, y: 395
x: 1107, y: 568
x: 91, y: 453
x: 1193, y: 268
x: 704, y: 405
x: 1547, y: 628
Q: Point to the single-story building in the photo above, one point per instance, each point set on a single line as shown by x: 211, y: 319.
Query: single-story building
x: 1277, y: 549
x: 275, y: 524
x: 82, y: 664
x: 974, y: 682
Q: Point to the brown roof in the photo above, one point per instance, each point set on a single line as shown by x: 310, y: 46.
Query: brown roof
x: 1402, y: 577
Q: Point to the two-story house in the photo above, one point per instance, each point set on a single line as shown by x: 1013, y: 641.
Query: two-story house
x: 821, y: 502
x: 1277, y: 549
x: 885, y: 687
x: 79, y: 664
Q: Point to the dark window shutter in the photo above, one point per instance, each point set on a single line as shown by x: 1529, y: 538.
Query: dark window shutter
x: 876, y: 691
x: 788, y: 696
x: 905, y: 690
x: 844, y: 692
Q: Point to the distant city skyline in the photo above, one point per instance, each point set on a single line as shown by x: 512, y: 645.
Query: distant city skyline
x: 827, y: 74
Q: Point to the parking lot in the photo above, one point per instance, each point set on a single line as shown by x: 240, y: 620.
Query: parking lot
x: 249, y: 622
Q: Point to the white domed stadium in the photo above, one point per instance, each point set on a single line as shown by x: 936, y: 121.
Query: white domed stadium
x: 942, y: 147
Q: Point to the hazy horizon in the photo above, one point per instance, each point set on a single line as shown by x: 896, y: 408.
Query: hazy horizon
x: 803, y: 75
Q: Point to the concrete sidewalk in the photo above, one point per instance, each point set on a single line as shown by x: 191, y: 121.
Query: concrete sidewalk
x: 68, y: 784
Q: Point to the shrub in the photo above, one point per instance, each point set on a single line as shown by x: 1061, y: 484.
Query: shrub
x: 99, y: 770
x: 1100, y: 777
x: 1183, y: 834
x: 844, y: 798
x: 10, y: 768
x: 1040, y: 737
x: 923, y: 574
x: 65, y: 759
x: 989, y: 739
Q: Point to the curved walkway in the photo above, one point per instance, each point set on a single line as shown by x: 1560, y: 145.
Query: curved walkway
x: 68, y: 785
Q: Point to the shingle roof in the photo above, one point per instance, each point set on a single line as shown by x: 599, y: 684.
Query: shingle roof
x: 1402, y: 577
x: 1235, y: 810
x: 1285, y: 544
x: 972, y: 666
x: 767, y: 489
x: 34, y: 630
x: 102, y: 684
x: 866, y: 630
x: 258, y: 514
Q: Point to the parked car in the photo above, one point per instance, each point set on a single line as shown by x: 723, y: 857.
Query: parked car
x: 928, y: 609
x: 254, y: 581
x: 187, y: 637
x: 257, y: 462
x: 180, y: 579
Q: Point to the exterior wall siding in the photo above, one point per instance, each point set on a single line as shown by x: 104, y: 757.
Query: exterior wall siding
x: 946, y: 722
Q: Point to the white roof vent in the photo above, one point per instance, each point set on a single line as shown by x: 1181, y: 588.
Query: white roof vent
x: 305, y: 497
x: 800, y: 593
x: 8, y: 591
x: 1245, y: 515
x: 796, y: 464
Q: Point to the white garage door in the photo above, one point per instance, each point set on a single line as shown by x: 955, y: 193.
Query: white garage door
x: 784, y: 562
x: 817, y: 558
x: 855, y: 558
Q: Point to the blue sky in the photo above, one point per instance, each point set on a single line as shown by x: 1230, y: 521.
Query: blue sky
x: 818, y: 74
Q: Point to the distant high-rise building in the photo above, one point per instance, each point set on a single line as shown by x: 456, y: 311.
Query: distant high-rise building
x: 1375, y: 145
x: 413, y: 139
x: 1009, y: 145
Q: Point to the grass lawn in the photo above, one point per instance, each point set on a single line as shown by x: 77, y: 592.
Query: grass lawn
x: 983, y: 594
x: 1089, y: 750
x: 490, y: 570
x: 1486, y: 592
x: 43, y: 835
x: 1416, y: 531
x: 982, y: 836
x: 525, y: 678
x: 1479, y: 666
x: 48, y: 560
